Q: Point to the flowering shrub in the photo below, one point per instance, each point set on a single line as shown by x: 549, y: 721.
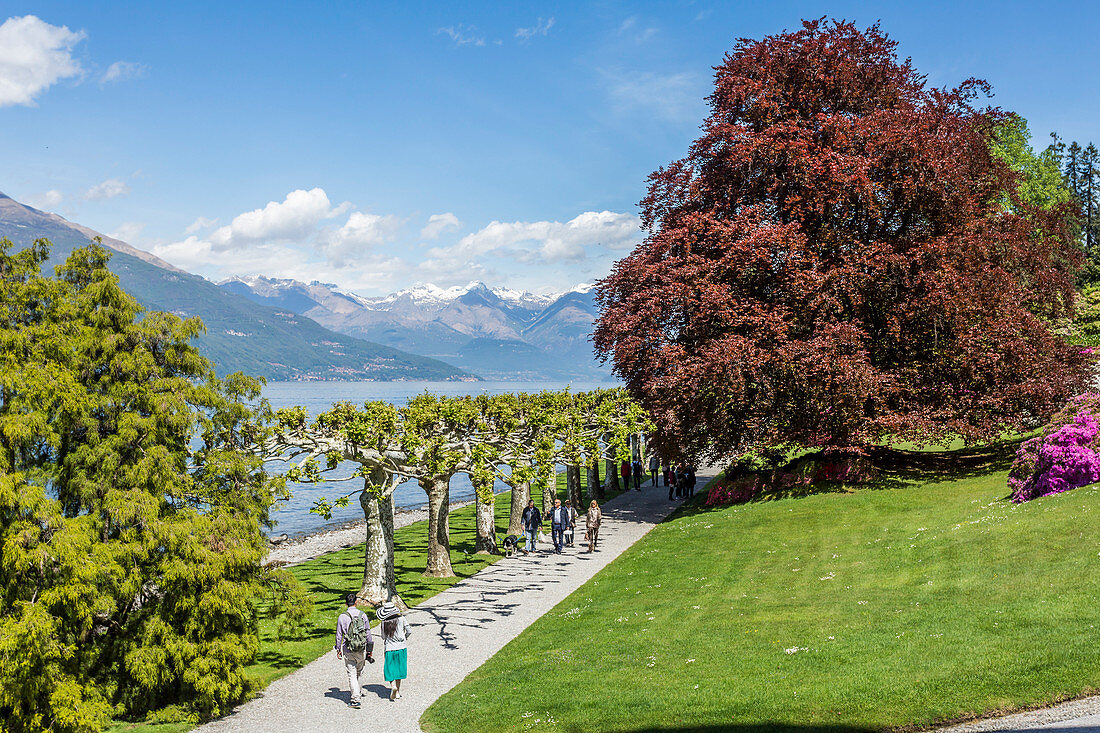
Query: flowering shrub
x: 806, y: 472
x: 1064, y: 456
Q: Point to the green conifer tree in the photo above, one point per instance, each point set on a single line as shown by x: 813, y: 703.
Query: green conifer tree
x: 131, y: 505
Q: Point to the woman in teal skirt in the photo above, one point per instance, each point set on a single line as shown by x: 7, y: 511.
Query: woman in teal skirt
x: 395, y: 631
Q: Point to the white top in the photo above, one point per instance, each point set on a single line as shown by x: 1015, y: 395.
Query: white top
x: 400, y: 634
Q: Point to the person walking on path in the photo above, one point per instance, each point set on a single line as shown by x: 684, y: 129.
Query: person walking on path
x: 592, y: 524
x: 354, y: 645
x: 395, y: 633
x: 532, y: 522
x: 624, y: 472
x: 670, y: 482
x: 654, y: 466
x: 571, y: 527
x: 636, y: 469
x: 559, y: 520
x: 691, y: 480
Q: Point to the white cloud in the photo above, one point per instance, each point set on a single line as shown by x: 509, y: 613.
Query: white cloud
x: 359, y: 233
x: 200, y: 223
x: 127, y: 231
x: 674, y: 97
x: 295, y: 218
x: 370, y: 271
x: 48, y: 200
x: 109, y: 189
x: 34, y: 55
x: 439, y: 223
x: 463, y: 35
x: 541, y: 28
x: 545, y: 241
x: 629, y: 27
x: 122, y: 70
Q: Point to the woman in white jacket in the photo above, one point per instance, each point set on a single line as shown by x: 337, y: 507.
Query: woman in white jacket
x: 395, y: 632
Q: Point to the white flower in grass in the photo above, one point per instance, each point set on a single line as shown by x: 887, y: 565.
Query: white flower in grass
x: 862, y: 603
x: 690, y: 661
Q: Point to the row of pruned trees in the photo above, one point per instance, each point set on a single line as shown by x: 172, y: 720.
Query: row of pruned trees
x: 516, y: 438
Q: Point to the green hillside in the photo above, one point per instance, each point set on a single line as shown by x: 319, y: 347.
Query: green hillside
x: 241, y: 335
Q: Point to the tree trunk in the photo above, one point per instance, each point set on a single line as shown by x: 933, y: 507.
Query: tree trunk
x: 521, y: 494
x: 612, y: 469
x: 595, y: 488
x: 438, y: 489
x: 378, y: 578
x: 550, y: 493
x: 573, y: 482
x: 485, y: 519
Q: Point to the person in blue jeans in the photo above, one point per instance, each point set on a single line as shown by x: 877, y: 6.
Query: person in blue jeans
x: 559, y: 520
x: 532, y: 521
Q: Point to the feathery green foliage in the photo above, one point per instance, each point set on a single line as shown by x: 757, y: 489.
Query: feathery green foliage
x: 131, y: 505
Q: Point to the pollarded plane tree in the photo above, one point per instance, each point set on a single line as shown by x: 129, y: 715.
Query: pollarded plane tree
x: 435, y: 439
x: 370, y: 437
x: 833, y: 264
x: 608, y: 419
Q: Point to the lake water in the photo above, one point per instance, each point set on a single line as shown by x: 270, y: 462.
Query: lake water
x: 294, y: 517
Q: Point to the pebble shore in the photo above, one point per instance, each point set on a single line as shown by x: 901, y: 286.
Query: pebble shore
x: 300, y: 549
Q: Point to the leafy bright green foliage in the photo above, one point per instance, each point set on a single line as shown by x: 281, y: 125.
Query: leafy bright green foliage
x: 132, y: 503
x: 1040, y: 178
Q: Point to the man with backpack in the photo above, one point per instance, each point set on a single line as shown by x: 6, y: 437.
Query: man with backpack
x: 354, y: 645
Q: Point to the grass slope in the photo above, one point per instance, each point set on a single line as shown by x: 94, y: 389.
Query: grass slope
x: 917, y: 601
x: 330, y: 577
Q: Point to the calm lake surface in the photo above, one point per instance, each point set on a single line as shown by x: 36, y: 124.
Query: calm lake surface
x: 293, y: 517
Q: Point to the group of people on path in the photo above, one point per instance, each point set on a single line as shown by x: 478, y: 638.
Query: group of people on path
x: 680, y: 478
x: 563, y: 525
x: 355, y: 646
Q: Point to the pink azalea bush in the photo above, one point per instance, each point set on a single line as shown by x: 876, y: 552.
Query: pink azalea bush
x: 1064, y: 456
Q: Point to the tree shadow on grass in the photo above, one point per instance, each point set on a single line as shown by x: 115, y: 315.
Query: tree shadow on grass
x: 765, y: 727
x: 897, y: 469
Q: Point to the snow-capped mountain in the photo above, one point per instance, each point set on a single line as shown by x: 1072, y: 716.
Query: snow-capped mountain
x: 498, y: 333
x: 428, y: 295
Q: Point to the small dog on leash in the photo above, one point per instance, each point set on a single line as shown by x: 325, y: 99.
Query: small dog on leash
x: 510, y: 545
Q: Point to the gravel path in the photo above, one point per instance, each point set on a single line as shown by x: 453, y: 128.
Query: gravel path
x: 1077, y: 716
x: 453, y: 633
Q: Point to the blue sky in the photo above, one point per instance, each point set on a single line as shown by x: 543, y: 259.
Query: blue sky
x: 378, y: 145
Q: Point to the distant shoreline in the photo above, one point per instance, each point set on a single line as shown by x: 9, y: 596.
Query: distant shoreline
x: 312, y: 544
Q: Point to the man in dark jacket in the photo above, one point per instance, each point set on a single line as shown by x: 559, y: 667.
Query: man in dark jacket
x: 532, y: 521
x: 691, y: 480
x: 559, y: 520
x: 636, y: 469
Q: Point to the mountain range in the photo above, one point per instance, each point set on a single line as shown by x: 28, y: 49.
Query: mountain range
x: 241, y: 333
x: 496, y: 333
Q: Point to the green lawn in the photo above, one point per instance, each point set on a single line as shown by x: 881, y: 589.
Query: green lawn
x: 923, y: 599
x: 330, y: 577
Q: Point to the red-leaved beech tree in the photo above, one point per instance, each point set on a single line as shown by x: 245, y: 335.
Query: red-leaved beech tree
x: 840, y: 259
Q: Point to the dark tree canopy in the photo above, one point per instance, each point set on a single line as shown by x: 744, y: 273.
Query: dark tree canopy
x: 834, y: 262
